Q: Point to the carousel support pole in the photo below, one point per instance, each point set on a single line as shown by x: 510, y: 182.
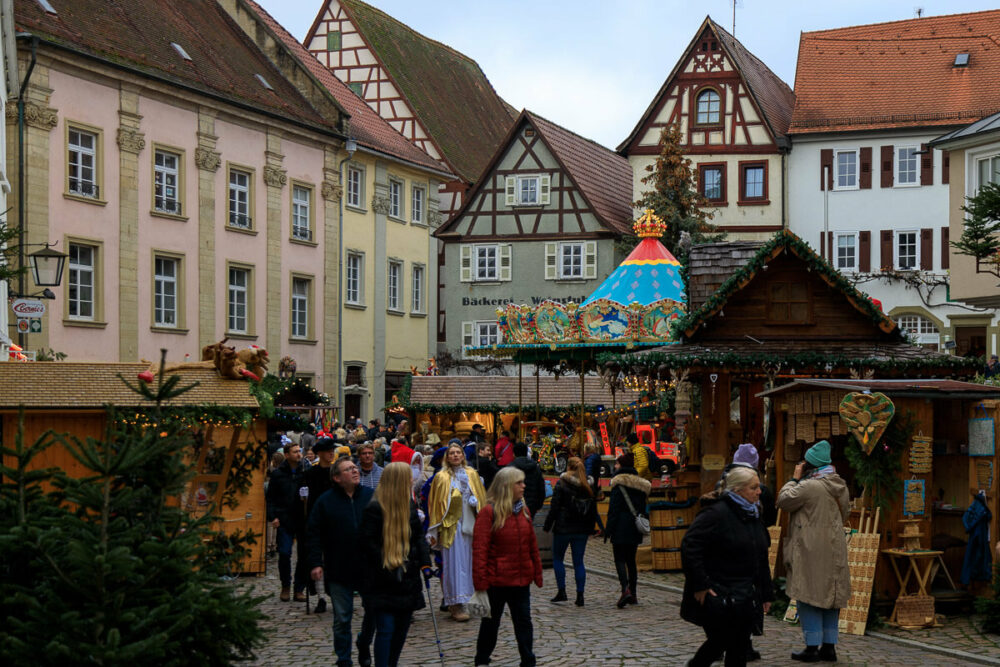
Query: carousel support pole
x: 520, y: 377
x: 583, y: 373
x: 536, y: 393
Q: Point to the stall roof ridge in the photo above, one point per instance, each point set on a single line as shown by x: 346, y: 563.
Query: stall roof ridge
x: 894, y: 386
x: 502, y: 390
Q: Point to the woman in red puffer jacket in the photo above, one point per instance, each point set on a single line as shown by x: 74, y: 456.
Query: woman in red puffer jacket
x: 505, y: 562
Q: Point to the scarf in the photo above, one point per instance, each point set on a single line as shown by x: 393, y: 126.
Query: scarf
x: 821, y: 472
x: 518, y: 506
x: 753, y: 509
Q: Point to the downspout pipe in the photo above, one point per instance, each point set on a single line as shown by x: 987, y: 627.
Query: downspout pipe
x: 21, y: 282
x: 350, y: 146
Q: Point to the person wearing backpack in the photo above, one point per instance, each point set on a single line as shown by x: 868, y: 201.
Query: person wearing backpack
x: 572, y: 516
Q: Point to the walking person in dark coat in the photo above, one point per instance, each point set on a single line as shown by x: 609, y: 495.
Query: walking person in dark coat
x: 285, y: 512
x: 319, y: 480
x: 534, y: 482
x: 333, y: 531
x: 393, y: 553
x: 487, y: 466
x: 625, y: 537
x: 727, y: 580
x: 572, y: 516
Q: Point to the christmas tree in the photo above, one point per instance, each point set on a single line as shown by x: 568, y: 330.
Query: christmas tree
x: 108, y: 568
x: 981, y: 230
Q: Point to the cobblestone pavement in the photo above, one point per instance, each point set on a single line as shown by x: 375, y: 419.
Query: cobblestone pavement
x: 597, y: 634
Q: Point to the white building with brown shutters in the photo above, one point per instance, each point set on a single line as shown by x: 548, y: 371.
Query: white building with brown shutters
x: 864, y: 187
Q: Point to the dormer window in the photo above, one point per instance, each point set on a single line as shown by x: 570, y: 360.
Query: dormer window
x: 962, y: 60
x: 708, y: 108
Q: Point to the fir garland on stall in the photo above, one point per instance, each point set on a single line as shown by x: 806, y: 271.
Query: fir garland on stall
x: 879, y: 472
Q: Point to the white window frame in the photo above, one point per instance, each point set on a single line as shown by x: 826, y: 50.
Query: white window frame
x: 855, y: 243
x: 914, y: 159
x: 708, y: 112
x: 355, y: 187
x: 514, y: 185
x: 165, y: 290
x: 836, y: 169
x: 81, y: 159
x: 920, y: 328
x: 301, y: 213
x: 469, y: 262
x: 418, y: 196
x: 487, y: 333
x: 166, y: 178
x: 574, y: 269
x: 354, y: 278
x: 395, y: 199
x: 991, y: 161
x: 238, y: 297
x: 82, y: 277
x: 393, y: 286
x: 481, y: 270
x: 896, y: 256
x: 300, y: 289
x: 555, y: 266
x: 240, y: 182
x: 473, y: 334
x: 527, y: 186
x: 417, y: 289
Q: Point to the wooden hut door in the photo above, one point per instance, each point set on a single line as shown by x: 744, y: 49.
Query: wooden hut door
x: 215, y: 458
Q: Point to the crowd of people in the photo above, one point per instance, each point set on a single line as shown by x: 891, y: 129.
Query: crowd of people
x: 367, y: 510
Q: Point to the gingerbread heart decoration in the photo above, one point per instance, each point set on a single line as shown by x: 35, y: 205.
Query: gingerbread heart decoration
x: 867, y: 416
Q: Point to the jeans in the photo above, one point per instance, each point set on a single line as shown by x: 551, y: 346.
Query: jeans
x: 628, y: 575
x: 578, y: 543
x: 518, y: 599
x: 342, y: 601
x: 735, y: 641
x: 286, y: 539
x: 819, y: 626
x: 390, y: 635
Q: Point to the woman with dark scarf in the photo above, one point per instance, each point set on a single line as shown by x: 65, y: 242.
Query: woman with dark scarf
x: 727, y: 581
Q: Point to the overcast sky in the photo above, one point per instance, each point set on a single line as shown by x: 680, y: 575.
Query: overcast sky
x: 593, y: 66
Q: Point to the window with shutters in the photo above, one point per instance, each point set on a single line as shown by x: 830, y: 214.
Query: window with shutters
x: 528, y: 189
x: 479, y: 334
x: 907, y: 166
x: 708, y: 108
x: 845, y: 167
x: 576, y: 260
x: 789, y: 303
x: 485, y: 262
x: 712, y: 182
x: 571, y: 260
x: 846, y: 249
x: 920, y: 329
x: 907, y: 250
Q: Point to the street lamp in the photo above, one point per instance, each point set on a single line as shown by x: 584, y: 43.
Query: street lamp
x: 47, y: 266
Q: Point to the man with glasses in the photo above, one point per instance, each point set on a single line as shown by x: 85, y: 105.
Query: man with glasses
x: 332, y: 535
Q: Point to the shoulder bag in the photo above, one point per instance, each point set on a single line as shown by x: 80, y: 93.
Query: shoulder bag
x: 641, y: 522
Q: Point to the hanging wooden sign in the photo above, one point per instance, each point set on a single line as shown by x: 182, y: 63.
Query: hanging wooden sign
x: 913, y: 497
x: 921, y: 456
x: 867, y: 416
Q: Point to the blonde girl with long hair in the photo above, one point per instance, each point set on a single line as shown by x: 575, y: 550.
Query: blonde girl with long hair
x: 506, y: 563
x: 456, y: 496
x: 393, y: 552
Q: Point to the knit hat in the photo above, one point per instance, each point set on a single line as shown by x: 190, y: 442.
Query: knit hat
x: 819, y: 454
x: 626, y: 460
x: 746, y: 455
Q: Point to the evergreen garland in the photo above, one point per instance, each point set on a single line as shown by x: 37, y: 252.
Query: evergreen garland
x: 879, y: 472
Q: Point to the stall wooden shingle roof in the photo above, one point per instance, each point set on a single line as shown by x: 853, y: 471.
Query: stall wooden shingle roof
x: 712, y: 263
x: 90, y: 385
x: 502, y: 390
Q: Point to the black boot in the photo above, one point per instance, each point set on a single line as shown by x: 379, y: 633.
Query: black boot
x: 624, y: 599
x: 320, y: 606
x: 752, y: 654
x: 560, y: 596
x: 579, y: 599
x: 811, y: 654
x: 828, y: 653
x: 364, y: 654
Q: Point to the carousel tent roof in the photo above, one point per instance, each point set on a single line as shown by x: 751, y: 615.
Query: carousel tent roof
x: 430, y: 390
x: 650, y: 273
x: 908, y: 387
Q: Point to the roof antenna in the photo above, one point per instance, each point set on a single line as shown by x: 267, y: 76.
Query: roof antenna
x: 919, y: 11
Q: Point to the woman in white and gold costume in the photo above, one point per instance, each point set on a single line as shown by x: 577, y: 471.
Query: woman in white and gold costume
x: 456, y: 496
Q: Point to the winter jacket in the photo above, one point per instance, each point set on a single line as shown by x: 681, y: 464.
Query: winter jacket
x: 504, y: 452
x: 396, y: 590
x: 573, y: 510
x: 621, y: 528
x: 333, y: 531
x: 487, y: 471
x: 978, y: 562
x: 534, y: 483
x: 318, y: 479
x: 815, y: 550
x: 283, y: 502
x: 592, y: 465
x: 505, y: 557
x: 725, y: 548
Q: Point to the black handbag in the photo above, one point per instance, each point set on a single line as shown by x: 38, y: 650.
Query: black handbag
x: 732, y: 605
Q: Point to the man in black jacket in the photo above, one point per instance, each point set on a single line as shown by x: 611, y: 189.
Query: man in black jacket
x: 286, y: 513
x: 534, y: 483
x: 332, y: 533
x: 319, y: 480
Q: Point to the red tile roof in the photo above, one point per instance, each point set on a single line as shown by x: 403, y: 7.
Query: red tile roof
x: 366, y: 127
x: 603, y: 177
x: 898, y: 74
x: 446, y: 89
x: 772, y: 95
x: 138, y: 36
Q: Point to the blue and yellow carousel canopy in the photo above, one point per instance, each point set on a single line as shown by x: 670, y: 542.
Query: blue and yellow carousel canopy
x: 636, y: 304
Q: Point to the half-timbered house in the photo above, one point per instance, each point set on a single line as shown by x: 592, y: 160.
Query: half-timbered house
x: 435, y: 96
x: 548, y: 210
x: 733, y: 113
x: 866, y: 188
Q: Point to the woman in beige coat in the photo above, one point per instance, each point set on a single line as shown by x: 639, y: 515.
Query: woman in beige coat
x: 815, y: 551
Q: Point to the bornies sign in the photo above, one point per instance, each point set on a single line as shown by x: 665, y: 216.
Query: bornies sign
x: 28, y: 308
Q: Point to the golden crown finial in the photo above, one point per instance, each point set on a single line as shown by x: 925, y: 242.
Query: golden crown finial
x: 649, y: 226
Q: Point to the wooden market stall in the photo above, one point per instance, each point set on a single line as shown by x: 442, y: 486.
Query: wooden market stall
x: 72, y: 398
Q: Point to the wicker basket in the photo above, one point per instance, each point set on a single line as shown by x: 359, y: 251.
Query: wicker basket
x: 666, y: 560
x: 915, y: 611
